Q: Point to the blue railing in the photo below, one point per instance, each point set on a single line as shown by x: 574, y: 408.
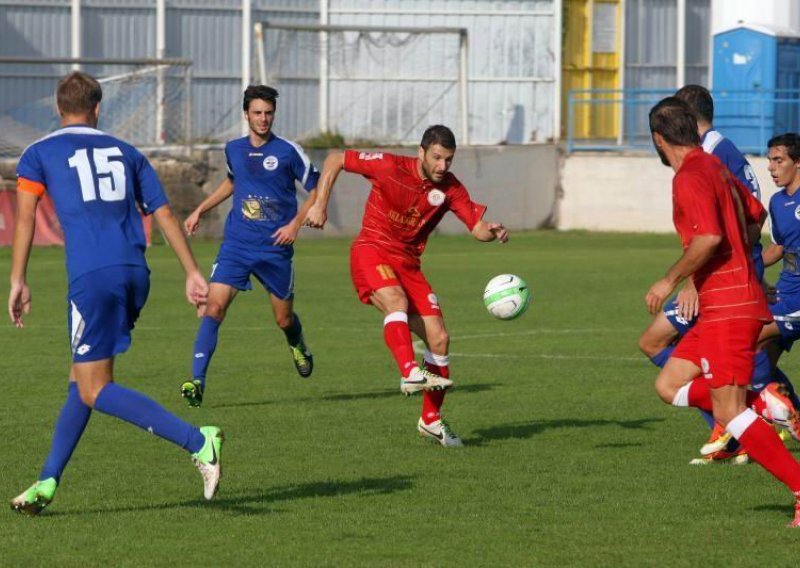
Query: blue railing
x: 617, y: 119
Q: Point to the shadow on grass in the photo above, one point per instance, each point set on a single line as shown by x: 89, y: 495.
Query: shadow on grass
x: 396, y: 392
x: 530, y: 429
x: 259, y: 503
x: 620, y: 445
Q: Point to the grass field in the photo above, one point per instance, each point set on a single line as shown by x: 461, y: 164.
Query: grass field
x: 571, y: 460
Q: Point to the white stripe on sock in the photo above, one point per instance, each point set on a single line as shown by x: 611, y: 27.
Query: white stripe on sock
x: 740, y: 423
x: 438, y: 360
x: 682, y: 396
x: 396, y: 316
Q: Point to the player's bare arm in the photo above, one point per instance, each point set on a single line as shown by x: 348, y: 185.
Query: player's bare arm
x: 287, y: 234
x: 196, y: 285
x: 487, y: 232
x: 772, y: 254
x: 224, y: 191
x: 19, y: 297
x: 699, y: 251
x: 317, y: 214
x: 688, y: 300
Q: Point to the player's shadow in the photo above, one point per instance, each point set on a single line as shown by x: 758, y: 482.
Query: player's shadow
x: 521, y: 430
x: 261, y: 503
x: 393, y: 393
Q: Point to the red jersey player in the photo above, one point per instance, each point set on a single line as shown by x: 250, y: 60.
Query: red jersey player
x: 717, y: 219
x: 408, y: 199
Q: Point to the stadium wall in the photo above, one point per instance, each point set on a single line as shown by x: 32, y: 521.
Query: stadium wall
x: 611, y: 192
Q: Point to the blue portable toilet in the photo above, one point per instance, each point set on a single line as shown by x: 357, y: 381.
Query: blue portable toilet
x: 755, y: 84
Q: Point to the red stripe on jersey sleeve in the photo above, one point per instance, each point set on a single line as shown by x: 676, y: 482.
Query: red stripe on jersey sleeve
x: 29, y: 186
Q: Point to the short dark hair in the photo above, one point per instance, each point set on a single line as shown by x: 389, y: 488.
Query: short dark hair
x: 699, y: 100
x: 674, y: 120
x: 259, y: 92
x: 791, y: 140
x: 78, y: 93
x: 438, y: 134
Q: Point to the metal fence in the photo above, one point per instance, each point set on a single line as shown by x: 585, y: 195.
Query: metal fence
x: 748, y: 118
x: 146, y: 102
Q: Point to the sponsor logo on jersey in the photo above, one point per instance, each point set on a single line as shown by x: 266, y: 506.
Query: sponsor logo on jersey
x: 253, y: 154
x: 270, y: 163
x: 436, y: 197
x: 370, y: 155
x: 411, y: 218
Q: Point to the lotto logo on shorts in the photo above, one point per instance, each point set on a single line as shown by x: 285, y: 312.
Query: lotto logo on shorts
x: 83, y: 349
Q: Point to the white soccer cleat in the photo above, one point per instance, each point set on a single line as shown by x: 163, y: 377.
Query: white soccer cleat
x: 209, y: 460
x: 441, y: 432
x: 780, y: 410
x: 421, y: 379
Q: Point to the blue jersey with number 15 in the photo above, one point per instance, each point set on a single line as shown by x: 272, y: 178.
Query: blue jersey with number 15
x: 96, y: 182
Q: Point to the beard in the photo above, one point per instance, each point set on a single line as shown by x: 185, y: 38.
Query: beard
x: 663, y: 156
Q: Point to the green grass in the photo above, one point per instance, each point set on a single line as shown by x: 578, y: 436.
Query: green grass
x: 571, y: 460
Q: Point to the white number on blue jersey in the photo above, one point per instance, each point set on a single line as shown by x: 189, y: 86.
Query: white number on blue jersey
x: 110, y: 174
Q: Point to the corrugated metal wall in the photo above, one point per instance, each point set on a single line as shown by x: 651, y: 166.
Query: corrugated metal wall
x: 513, y: 48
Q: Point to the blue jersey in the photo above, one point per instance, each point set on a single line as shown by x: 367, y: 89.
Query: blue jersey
x: 715, y: 143
x: 264, y: 194
x: 96, y: 182
x: 784, y: 210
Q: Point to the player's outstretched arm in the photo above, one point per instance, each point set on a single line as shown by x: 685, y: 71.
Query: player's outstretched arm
x: 772, y: 254
x: 317, y: 214
x: 224, y: 191
x: 19, y: 297
x: 196, y: 285
x: 488, y: 232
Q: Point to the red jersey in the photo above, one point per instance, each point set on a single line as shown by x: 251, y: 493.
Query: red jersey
x: 708, y: 200
x: 403, y: 208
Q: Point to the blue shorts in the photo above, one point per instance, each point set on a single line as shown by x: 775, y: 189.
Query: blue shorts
x: 680, y: 324
x: 103, y: 306
x: 786, y: 312
x: 273, y: 268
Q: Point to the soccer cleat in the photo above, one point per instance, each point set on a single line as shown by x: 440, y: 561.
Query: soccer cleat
x: 780, y: 410
x: 421, y: 379
x: 33, y: 500
x: 717, y: 441
x: 739, y: 457
x: 303, y: 360
x: 441, y: 432
x: 209, y: 460
x: 796, y: 522
x: 192, y: 391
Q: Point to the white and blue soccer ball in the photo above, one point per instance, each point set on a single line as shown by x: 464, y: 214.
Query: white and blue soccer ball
x: 507, y: 296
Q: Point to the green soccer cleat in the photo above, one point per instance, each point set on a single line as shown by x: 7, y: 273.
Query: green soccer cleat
x: 209, y: 460
x: 192, y: 391
x: 303, y: 360
x: 33, y: 500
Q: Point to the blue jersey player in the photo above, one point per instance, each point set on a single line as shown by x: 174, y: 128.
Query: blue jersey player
x: 261, y: 227
x: 659, y: 339
x: 98, y: 184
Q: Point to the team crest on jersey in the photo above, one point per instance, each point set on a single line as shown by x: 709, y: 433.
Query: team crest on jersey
x: 370, y: 156
x: 436, y: 197
x: 270, y: 163
x: 797, y: 213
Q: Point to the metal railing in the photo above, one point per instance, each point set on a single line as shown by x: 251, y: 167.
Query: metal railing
x: 604, y: 120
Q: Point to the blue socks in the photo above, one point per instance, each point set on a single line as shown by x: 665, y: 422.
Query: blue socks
x: 204, y: 346
x: 134, y: 407
x: 660, y: 359
x: 68, y: 430
x: 294, y: 332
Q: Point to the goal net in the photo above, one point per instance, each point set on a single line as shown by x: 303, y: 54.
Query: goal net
x: 146, y: 103
x: 366, y: 83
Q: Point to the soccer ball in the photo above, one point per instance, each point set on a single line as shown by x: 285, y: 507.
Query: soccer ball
x: 506, y: 296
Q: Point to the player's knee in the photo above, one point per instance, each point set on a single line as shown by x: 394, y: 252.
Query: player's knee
x: 665, y: 389
x: 650, y: 345
x: 284, y: 321
x: 439, y: 341
x: 215, y: 310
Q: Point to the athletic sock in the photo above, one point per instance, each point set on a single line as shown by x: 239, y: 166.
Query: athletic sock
x: 294, y: 332
x: 397, y: 336
x: 765, y: 446
x: 660, y: 359
x: 204, y: 346
x: 134, y: 407
x: 68, y: 430
x: 432, y: 400
x: 697, y: 393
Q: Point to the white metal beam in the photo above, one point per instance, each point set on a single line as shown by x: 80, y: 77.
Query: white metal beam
x: 247, y: 16
x: 75, y: 32
x: 680, y: 60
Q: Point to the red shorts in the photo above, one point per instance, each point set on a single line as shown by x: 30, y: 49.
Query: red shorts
x: 723, y: 350
x: 372, y: 269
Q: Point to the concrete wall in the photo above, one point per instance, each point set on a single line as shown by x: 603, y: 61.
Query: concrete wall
x: 611, y: 192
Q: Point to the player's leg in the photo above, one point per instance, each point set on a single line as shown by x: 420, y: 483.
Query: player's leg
x: 657, y: 341
x: 275, y: 271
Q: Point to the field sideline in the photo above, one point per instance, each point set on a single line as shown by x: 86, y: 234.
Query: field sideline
x: 571, y: 459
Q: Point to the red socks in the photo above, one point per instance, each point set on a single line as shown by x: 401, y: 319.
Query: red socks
x: 432, y: 400
x: 398, y: 340
x: 698, y: 394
